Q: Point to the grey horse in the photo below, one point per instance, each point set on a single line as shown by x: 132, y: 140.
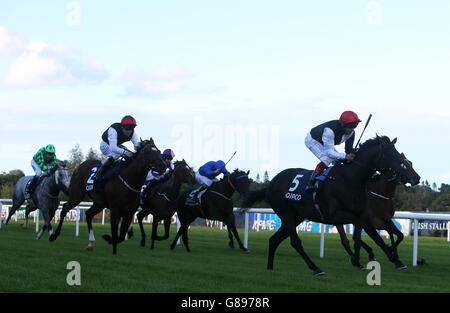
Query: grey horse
x: 45, y: 196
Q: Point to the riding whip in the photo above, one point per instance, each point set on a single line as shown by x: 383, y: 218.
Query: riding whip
x: 367, y: 123
x: 228, y: 161
x: 230, y: 158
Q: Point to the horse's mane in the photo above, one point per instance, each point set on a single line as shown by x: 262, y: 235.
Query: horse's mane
x: 177, y: 163
x: 373, y: 142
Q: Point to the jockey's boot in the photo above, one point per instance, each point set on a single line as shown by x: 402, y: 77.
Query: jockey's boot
x: 29, y: 189
x: 101, y: 170
x: 197, y: 194
x: 311, y: 184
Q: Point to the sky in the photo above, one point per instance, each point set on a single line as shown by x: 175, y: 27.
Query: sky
x: 208, y: 78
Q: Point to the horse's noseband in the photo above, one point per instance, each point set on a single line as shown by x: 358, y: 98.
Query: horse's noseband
x: 237, y: 178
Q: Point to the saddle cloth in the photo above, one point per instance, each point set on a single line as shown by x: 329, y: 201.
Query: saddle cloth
x: 110, y: 172
x: 296, y: 191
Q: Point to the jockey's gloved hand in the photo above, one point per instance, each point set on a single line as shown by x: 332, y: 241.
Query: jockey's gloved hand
x: 127, y: 153
x: 45, y: 174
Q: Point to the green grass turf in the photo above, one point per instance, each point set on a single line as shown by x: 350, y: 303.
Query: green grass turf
x: 30, y: 265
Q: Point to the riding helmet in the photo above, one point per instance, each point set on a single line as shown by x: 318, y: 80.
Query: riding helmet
x: 349, y: 119
x: 167, y: 153
x: 50, y: 148
x: 128, y: 120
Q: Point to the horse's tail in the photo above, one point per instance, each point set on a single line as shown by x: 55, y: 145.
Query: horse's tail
x: 253, y: 196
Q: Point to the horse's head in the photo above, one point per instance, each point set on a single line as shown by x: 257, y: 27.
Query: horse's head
x: 151, y: 156
x: 62, y: 176
x: 240, y: 182
x: 395, y: 166
x: 184, y: 172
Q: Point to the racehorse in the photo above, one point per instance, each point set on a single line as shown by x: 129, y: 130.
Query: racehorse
x: 216, y: 204
x: 380, y: 194
x: 45, y: 197
x: 341, y: 199
x: 120, y: 194
x: 161, y: 203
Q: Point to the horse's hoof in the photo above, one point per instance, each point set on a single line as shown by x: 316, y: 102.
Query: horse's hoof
x: 142, y: 243
x: 107, y: 238
x: 24, y: 226
x: 372, y: 258
x: 318, y: 272
x: 90, y: 248
x: 400, y: 266
x: 52, y: 238
x: 246, y: 251
x: 231, y: 245
x: 422, y: 261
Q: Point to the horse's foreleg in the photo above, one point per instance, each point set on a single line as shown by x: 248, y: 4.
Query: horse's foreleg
x: 230, y: 237
x: 371, y: 231
x: 46, y: 215
x: 126, y: 221
x: 140, y: 216
x: 167, y: 222
x: 28, y: 210
x: 355, y: 260
x: 392, y: 229
x: 296, y: 243
x: 274, y: 241
x: 231, y: 226
x: 344, y: 240
x: 65, y: 209
x: 154, y: 231
x: 90, y: 213
x: 115, y: 219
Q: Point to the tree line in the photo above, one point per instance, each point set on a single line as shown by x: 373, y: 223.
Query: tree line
x: 422, y: 197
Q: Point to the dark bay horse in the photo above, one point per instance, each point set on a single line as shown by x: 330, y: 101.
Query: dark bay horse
x: 342, y: 198
x: 120, y: 194
x: 162, y: 202
x: 216, y: 204
x: 380, y: 194
x: 45, y: 197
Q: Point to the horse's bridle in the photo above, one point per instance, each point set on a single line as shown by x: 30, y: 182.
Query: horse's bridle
x: 239, y: 177
x: 392, y: 173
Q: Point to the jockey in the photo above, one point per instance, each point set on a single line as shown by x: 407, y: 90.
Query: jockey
x: 113, y: 138
x: 41, y: 161
x: 322, y: 139
x: 207, y: 173
x: 153, y: 178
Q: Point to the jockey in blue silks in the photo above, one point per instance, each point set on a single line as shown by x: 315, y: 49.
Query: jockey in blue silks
x: 207, y: 174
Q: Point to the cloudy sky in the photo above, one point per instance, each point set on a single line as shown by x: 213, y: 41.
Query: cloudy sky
x: 209, y: 77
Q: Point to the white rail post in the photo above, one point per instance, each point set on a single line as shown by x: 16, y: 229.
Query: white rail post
x: 178, y: 228
x: 36, y: 218
x: 322, y: 240
x: 416, y: 237
x: 246, y: 231
x: 103, y: 216
x: 77, y: 219
x: 1, y: 214
x: 448, y: 231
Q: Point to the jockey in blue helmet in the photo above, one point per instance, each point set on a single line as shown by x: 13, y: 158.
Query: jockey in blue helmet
x: 207, y: 173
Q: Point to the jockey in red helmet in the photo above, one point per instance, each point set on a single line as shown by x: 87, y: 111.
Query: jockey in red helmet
x: 322, y: 139
x: 112, y: 140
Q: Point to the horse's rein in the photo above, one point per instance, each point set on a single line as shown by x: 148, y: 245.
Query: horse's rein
x: 127, y: 185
